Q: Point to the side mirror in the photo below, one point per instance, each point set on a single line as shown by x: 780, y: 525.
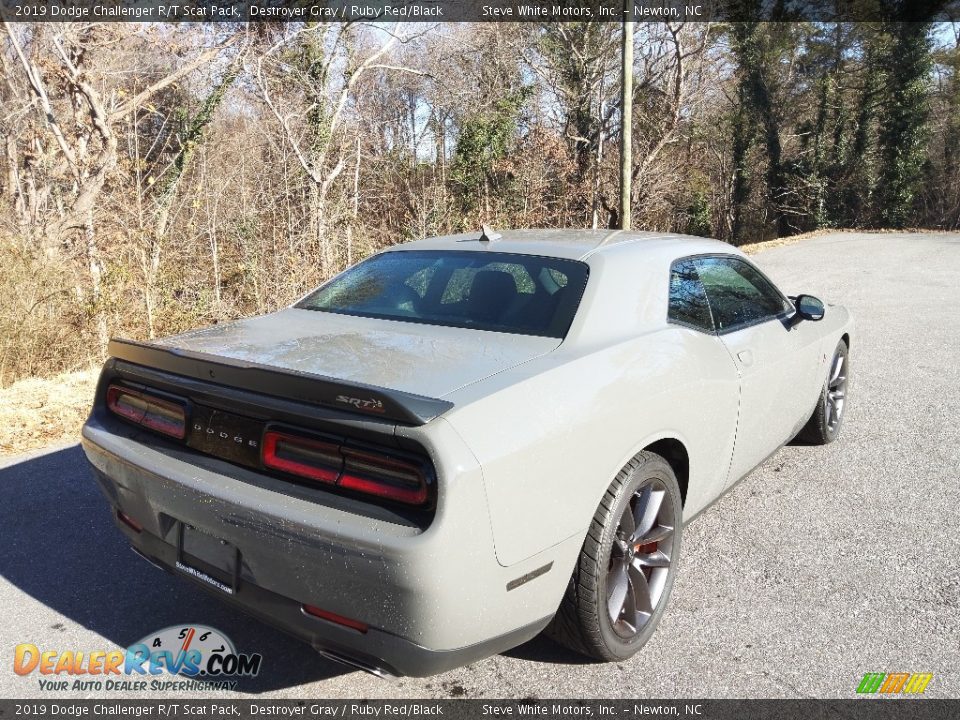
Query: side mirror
x: 809, y: 307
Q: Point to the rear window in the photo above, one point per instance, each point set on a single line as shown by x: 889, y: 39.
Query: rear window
x: 523, y: 294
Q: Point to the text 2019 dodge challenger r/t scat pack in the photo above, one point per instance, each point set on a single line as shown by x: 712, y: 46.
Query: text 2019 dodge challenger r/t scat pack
x: 462, y: 441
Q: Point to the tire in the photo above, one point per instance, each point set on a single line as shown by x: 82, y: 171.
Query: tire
x: 609, y: 567
x: 824, y: 424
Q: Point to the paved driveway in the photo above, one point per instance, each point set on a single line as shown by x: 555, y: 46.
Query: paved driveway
x: 822, y: 565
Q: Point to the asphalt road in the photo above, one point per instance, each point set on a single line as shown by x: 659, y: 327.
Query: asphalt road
x: 823, y: 564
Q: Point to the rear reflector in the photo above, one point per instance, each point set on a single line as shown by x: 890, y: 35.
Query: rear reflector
x: 383, y: 476
x: 129, y: 521
x: 334, y: 618
x: 313, y: 459
x: 163, y: 416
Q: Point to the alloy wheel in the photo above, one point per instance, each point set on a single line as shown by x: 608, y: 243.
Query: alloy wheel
x: 641, y: 558
x: 836, y: 391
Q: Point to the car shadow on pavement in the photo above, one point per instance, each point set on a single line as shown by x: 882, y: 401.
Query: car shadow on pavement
x: 544, y: 650
x: 62, y: 549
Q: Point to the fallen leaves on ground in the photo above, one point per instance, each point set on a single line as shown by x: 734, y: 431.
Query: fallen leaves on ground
x: 37, y: 412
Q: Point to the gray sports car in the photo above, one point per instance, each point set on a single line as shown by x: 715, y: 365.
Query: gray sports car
x: 463, y: 441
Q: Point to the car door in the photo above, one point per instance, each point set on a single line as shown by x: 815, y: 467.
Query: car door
x: 775, y: 363
x: 715, y: 392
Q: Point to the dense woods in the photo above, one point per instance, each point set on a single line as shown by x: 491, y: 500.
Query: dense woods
x: 156, y: 178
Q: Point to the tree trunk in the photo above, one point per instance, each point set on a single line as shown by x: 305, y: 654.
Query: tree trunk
x: 95, y: 266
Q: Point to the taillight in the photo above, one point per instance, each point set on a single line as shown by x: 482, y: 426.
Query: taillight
x: 296, y: 455
x: 383, y: 476
x: 363, y: 471
x: 159, y: 414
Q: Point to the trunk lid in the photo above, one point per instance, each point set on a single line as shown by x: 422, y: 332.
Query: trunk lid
x: 427, y: 360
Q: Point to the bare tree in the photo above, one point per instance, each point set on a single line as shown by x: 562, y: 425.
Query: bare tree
x: 86, y: 143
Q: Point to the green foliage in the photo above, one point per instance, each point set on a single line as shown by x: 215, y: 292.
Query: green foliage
x: 759, y: 48
x: 193, y: 129
x: 903, y: 136
x: 842, y: 114
x: 699, y: 214
x: 484, y: 140
x: 742, y: 131
x: 577, y: 71
x: 310, y: 59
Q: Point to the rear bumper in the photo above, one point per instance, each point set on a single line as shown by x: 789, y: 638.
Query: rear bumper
x: 374, y: 651
x: 433, y: 599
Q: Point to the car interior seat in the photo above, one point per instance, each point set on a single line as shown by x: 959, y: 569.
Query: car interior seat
x: 492, y: 292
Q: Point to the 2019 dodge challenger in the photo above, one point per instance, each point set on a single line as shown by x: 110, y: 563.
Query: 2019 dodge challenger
x: 463, y: 441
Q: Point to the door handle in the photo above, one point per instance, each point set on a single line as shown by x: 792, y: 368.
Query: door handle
x: 745, y: 357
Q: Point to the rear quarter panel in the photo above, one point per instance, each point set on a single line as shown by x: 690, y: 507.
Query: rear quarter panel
x: 551, y: 435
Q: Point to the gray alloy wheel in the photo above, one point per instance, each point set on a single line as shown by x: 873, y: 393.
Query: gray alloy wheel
x: 836, y: 394
x: 824, y: 424
x: 640, y: 558
x: 626, y: 569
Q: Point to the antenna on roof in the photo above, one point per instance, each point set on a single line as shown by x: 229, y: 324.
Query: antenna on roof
x: 488, y: 234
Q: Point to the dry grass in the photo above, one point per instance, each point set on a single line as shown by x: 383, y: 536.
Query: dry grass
x: 37, y: 412
x: 754, y: 248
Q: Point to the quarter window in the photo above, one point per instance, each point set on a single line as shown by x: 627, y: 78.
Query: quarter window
x: 688, y: 300
x: 739, y: 294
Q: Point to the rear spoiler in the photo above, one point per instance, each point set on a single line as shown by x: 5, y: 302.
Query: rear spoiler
x: 368, y: 400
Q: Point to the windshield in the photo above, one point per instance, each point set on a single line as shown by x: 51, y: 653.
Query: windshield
x: 524, y: 294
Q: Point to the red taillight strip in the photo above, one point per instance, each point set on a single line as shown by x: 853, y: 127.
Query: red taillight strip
x: 164, y: 416
x: 272, y: 446
x: 370, y: 486
x: 362, y: 471
x: 334, y: 618
x: 401, y: 481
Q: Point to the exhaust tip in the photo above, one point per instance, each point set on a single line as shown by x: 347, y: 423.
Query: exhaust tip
x: 149, y: 559
x: 357, y: 664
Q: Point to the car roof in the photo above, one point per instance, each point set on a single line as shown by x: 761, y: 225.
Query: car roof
x: 572, y: 244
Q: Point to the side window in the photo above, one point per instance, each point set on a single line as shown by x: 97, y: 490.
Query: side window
x: 738, y: 294
x: 688, y: 300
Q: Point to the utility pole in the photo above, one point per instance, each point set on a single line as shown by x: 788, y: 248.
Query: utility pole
x: 626, y: 122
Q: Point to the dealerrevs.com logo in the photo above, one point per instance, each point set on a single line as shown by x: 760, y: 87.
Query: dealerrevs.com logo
x: 203, y: 658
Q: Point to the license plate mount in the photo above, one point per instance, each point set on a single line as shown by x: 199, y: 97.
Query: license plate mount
x: 208, y: 559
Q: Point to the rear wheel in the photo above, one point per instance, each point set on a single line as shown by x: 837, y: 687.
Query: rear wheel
x: 823, y: 427
x: 627, y: 566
